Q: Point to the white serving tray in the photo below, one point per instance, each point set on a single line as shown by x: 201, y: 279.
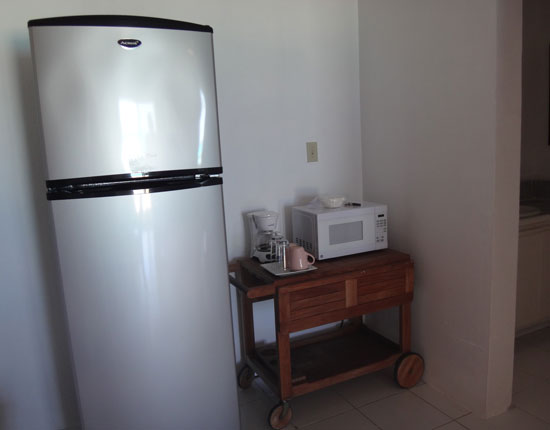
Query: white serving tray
x: 277, y: 269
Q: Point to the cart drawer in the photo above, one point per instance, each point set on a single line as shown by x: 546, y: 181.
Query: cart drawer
x: 321, y: 304
x: 317, y: 300
x: 381, y: 285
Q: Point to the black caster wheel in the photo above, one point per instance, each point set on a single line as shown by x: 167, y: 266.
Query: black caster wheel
x: 409, y: 369
x: 280, y: 416
x: 245, y: 378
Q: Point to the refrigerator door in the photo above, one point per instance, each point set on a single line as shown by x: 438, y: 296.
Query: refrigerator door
x: 110, y: 109
x: 147, y: 296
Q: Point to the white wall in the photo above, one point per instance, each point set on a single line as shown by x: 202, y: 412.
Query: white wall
x: 440, y: 105
x: 535, y: 149
x: 287, y: 73
x: 36, y: 388
x: 505, y: 205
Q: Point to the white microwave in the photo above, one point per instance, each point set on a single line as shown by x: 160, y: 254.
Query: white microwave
x: 349, y: 229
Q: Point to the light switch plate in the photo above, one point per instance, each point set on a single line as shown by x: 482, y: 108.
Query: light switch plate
x: 312, y: 155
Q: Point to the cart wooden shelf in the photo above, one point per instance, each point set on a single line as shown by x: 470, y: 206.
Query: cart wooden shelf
x: 342, y: 289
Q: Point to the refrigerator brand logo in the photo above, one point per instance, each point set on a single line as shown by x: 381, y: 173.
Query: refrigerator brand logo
x: 129, y: 43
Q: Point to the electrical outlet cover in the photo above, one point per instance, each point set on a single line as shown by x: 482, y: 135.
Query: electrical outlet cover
x: 312, y: 155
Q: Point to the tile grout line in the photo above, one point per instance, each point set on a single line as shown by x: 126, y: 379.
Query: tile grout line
x: 460, y: 424
x: 454, y: 421
x: 451, y: 419
x: 530, y: 414
x: 369, y: 420
x: 357, y: 408
x: 436, y: 408
x: 361, y: 413
x: 375, y: 401
x: 380, y: 399
x: 268, y: 398
x: 329, y: 417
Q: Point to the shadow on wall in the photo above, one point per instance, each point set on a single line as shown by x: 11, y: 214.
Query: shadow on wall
x: 302, y: 196
x: 247, y: 234
x: 57, y: 340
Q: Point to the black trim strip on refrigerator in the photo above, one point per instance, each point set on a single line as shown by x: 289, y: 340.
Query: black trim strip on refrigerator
x: 135, y: 187
x: 128, y: 177
x: 119, y: 21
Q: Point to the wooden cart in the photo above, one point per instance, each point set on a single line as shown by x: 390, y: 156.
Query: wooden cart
x: 341, y: 289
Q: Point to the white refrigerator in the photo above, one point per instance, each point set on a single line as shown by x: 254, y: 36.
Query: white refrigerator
x: 130, y: 127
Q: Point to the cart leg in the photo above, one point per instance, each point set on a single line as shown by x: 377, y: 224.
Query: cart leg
x: 282, y: 312
x: 285, y: 379
x: 405, y: 327
x: 247, y: 320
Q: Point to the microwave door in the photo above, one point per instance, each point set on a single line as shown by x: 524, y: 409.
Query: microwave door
x: 354, y: 235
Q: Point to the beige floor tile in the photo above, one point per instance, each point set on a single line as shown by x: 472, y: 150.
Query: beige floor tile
x: 404, y: 411
x: 513, y: 419
x: 317, y: 406
x: 439, y: 401
x: 523, y: 381
x: 533, y: 361
x: 451, y: 426
x: 351, y: 420
x: 368, y: 388
x: 384, y: 405
x: 535, y: 399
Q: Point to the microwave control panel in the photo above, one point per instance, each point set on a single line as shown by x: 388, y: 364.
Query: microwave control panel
x: 381, y: 228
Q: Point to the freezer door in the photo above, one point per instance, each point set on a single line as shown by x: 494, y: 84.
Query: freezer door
x: 147, y: 297
x: 111, y: 108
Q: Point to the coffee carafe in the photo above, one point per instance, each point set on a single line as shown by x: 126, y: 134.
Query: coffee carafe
x: 265, y: 240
